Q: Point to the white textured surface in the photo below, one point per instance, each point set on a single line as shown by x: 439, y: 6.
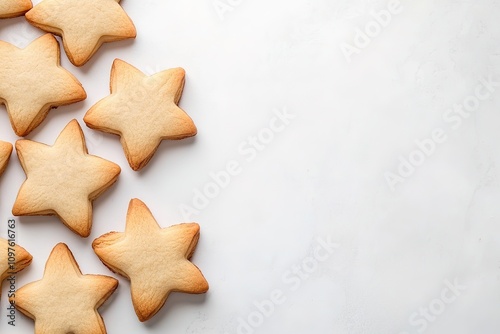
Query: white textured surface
x: 322, y: 176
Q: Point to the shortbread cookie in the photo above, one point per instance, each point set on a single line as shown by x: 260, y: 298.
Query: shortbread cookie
x: 65, y: 301
x: 13, y: 8
x: 13, y: 259
x: 83, y: 25
x: 5, y: 151
x: 32, y: 82
x: 62, y: 179
x: 142, y: 110
x: 155, y: 259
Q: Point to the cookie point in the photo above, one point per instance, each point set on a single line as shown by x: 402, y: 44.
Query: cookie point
x: 135, y: 167
x: 96, y: 243
x: 194, y: 130
x: 61, y: 246
x: 144, y: 316
x: 204, y: 286
x: 84, y: 235
x: 179, y: 71
x: 119, y: 62
x: 194, y: 226
x: 49, y: 37
x: 17, y: 209
x: 6, y: 146
x: 20, y: 132
x: 136, y: 202
x: 74, y: 121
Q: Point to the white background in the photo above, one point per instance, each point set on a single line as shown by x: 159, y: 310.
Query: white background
x: 322, y: 177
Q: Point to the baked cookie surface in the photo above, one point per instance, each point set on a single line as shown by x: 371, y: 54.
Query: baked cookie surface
x: 155, y: 259
x: 65, y: 301
x: 13, y: 259
x: 32, y: 82
x: 13, y: 8
x: 142, y: 110
x: 5, y: 152
x: 83, y: 25
x: 63, y: 179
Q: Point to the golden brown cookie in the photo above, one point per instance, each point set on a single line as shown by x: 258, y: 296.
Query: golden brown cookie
x: 13, y: 8
x: 32, y: 82
x: 142, y: 110
x: 13, y: 258
x: 83, y: 25
x: 62, y: 179
x: 155, y: 259
x: 5, y: 151
x: 65, y: 301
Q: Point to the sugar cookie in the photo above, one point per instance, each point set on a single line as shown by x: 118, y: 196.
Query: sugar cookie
x: 155, y: 259
x: 32, y: 82
x: 142, y: 110
x: 5, y: 152
x: 65, y: 301
x: 83, y: 25
x: 62, y: 179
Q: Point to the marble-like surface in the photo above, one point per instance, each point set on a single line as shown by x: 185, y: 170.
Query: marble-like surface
x: 365, y: 169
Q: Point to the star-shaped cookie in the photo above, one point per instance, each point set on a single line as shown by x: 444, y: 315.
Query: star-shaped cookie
x: 142, y: 110
x: 63, y: 179
x: 13, y: 259
x: 5, y: 151
x: 32, y: 82
x: 13, y: 8
x: 83, y: 25
x: 155, y: 259
x: 65, y: 301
